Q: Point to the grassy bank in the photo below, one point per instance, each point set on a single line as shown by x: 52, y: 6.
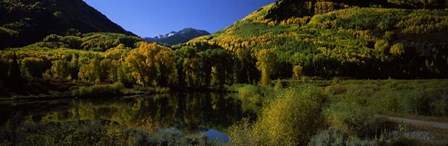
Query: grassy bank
x: 418, y: 97
x: 327, y: 112
x: 90, y: 133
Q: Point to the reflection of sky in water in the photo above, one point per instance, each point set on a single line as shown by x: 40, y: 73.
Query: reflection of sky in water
x: 212, y: 134
x: 215, y: 135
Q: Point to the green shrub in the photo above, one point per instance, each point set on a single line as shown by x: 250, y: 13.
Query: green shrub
x: 99, y: 90
x: 252, y: 97
x: 254, y: 93
x: 248, y: 91
x: 353, y: 118
x: 241, y: 133
x: 278, y: 84
x: 382, y: 46
x: 397, y: 49
x: 335, y: 89
x: 292, y: 118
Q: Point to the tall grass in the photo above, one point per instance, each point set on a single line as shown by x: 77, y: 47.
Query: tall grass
x: 353, y: 118
x: 421, y: 97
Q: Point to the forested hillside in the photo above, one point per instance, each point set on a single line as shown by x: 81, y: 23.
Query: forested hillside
x: 397, y: 39
x: 23, y: 22
x: 332, y: 39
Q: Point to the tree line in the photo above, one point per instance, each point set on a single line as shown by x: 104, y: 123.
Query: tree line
x: 148, y: 65
x: 196, y: 66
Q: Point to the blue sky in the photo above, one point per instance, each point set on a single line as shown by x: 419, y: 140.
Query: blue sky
x: 148, y: 18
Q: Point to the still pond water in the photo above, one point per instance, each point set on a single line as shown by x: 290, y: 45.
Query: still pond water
x: 207, y: 113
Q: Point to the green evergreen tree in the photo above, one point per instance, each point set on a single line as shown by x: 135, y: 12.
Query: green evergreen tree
x: 14, y: 69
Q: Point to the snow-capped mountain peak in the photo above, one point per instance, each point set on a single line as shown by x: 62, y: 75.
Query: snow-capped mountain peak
x: 178, y: 37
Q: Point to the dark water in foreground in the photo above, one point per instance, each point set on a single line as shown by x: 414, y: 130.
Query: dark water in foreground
x: 206, y: 113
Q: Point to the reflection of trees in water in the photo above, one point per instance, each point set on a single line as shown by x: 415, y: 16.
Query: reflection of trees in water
x: 12, y: 126
x: 184, y: 111
x: 193, y: 111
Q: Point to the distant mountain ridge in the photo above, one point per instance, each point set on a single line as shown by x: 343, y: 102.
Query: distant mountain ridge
x: 182, y: 36
x: 24, y: 22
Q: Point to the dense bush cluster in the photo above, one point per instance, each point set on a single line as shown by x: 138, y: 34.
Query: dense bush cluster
x: 291, y: 118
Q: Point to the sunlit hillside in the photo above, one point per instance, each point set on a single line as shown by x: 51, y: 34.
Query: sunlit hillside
x: 364, y: 42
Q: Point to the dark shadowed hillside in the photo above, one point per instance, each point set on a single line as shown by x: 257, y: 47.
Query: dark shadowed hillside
x: 23, y: 22
x: 285, y: 9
